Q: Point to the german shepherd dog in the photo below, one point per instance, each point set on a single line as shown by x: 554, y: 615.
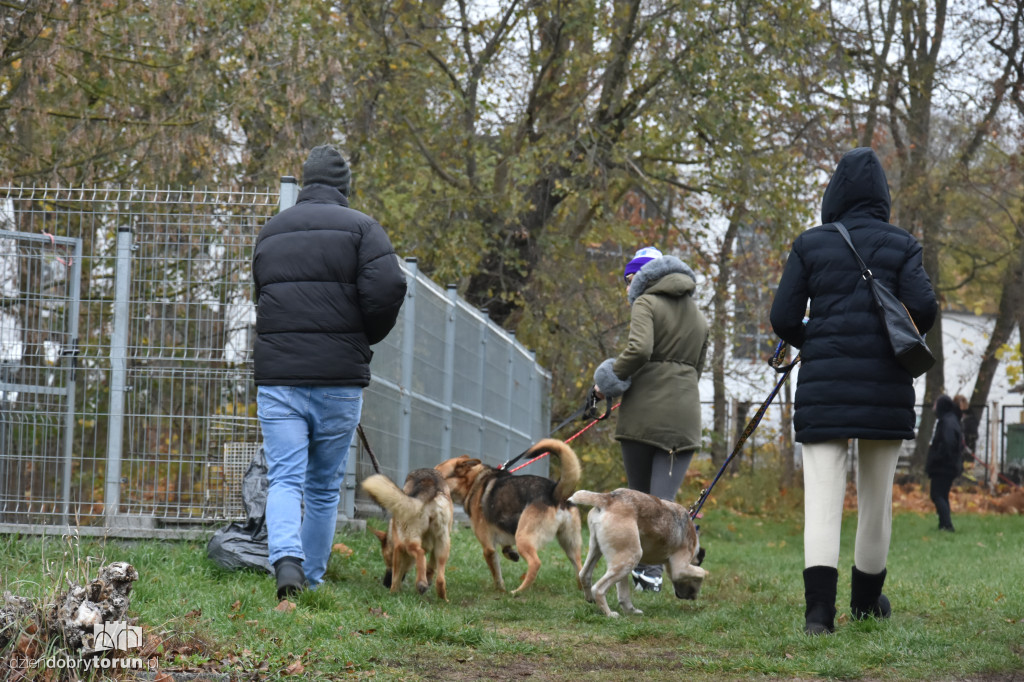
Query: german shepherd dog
x: 627, y: 527
x: 421, y: 524
x: 520, y: 514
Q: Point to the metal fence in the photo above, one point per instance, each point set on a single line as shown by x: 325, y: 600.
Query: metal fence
x: 127, y: 404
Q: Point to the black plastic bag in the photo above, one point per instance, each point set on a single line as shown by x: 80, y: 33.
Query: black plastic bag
x: 244, y: 545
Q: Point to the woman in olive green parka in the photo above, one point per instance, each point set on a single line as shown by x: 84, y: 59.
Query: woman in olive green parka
x: 659, y: 421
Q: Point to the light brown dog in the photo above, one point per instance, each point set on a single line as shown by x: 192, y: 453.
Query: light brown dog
x: 420, y: 527
x: 518, y: 513
x: 627, y: 527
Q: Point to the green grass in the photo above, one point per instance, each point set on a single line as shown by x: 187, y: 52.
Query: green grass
x: 958, y: 611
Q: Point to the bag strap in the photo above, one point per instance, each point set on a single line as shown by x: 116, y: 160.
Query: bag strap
x: 864, y: 271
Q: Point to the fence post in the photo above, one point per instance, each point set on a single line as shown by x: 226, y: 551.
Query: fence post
x: 72, y: 354
x: 448, y: 391
x: 509, y: 392
x: 995, y: 436
x: 408, y: 358
x: 535, y: 399
x: 288, y: 194
x: 118, y: 376
x: 482, y: 401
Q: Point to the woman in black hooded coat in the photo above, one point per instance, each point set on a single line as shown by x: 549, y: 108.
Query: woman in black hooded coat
x: 849, y: 383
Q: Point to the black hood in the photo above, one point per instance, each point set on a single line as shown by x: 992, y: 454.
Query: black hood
x: 944, y: 405
x: 858, y: 188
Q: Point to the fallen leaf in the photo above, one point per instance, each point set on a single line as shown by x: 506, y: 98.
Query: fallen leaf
x: 237, y: 605
x: 29, y: 646
x: 342, y: 549
x: 285, y: 606
x: 295, y: 668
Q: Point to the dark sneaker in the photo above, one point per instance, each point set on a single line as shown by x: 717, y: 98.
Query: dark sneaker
x: 646, y: 582
x: 290, y: 577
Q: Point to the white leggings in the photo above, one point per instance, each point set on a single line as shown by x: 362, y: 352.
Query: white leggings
x: 825, y: 467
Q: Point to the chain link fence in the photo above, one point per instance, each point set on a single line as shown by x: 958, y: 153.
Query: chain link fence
x: 127, y: 405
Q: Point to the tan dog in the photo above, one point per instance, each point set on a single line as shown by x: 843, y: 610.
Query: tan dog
x: 518, y: 513
x: 421, y: 524
x: 627, y: 527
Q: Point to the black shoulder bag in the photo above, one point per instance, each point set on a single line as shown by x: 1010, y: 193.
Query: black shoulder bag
x: 911, y: 351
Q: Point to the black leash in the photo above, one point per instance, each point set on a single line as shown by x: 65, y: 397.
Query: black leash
x: 776, y: 362
x: 369, y: 450
x: 587, y: 411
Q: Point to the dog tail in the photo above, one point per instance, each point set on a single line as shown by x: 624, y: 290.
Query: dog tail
x: 591, y: 499
x: 388, y: 495
x: 570, y: 477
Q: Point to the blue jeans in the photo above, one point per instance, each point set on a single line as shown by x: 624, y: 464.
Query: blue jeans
x: 307, y: 432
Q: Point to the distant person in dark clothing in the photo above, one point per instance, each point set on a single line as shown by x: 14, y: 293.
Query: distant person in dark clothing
x: 849, y: 383
x: 945, y: 457
x: 969, y: 423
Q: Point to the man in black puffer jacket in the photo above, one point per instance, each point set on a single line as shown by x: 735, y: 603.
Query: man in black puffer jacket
x: 849, y: 383
x: 328, y: 285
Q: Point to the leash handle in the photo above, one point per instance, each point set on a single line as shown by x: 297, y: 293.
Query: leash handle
x: 590, y: 409
x: 589, y: 404
x: 567, y: 440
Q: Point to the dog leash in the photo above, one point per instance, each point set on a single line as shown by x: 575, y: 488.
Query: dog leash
x: 369, y: 450
x: 776, y: 363
x: 588, y: 410
x: 567, y: 440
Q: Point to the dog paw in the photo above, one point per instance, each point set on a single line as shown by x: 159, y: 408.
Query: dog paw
x: 634, y: 612
x: 612, y: 614
x: 422, y: 587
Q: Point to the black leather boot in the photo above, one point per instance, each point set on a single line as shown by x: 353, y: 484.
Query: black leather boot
x: 866, y: 598
x: 290, y: 577
x: 820, y: 595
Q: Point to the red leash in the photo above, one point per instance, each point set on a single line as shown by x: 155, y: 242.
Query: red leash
x: 567, y: 440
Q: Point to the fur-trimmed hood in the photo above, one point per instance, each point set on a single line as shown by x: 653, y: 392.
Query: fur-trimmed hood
x: 659, y: 275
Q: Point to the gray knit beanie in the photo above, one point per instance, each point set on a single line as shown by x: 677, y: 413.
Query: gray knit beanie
x: 326, y: 166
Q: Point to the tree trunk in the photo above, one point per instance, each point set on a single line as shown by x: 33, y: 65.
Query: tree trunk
x: 1010, y: 314
x: 719, y: 344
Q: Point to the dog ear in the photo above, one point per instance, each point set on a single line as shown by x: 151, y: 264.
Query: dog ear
x: 465, y: 465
